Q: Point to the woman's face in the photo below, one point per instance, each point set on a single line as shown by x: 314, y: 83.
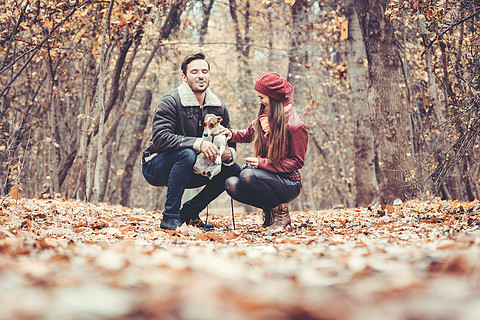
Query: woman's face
x: 264, y: 100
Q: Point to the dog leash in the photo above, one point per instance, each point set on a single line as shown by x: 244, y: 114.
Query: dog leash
x: 206, y: 219
x: 233, y: 214
x: 231, y: 199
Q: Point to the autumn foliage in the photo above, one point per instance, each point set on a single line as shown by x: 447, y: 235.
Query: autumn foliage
x: 79, y: 81
x: 74, y: 260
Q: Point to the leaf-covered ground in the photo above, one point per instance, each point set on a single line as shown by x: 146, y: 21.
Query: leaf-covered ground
x: 73, y: 260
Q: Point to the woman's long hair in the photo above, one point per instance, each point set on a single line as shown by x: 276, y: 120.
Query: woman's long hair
x: 277, y: 136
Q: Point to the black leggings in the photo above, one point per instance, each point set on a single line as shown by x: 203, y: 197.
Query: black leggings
x: 261, y: 188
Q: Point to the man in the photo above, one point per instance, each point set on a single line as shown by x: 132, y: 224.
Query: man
x: 175, y: 143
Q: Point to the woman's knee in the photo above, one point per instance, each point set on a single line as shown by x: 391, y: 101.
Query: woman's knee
x: 231, y: 185
x: 247, y: 176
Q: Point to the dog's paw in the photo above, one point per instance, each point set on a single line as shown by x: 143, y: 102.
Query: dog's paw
x: 218, y: 160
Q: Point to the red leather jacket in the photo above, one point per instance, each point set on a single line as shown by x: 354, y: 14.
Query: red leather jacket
x: 297, y: 141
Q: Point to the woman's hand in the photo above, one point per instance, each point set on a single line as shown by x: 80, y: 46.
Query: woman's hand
x: 226, y: 132
x: 253, y: 161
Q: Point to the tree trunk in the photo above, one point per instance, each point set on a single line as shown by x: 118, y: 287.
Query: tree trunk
x: 4, y: 137
x: 432, y: 85
x: 131, y: 161
x: 298, y: 54
x: 339, y: 163
x: 244, y: 73
x: 125, y: 45
x: 100, y: 110
x: 365, y: 179
x: 85, y: 126
x: 52, y: 153
x: 297, y: 59
x: 207, y: 8
x: 105, y: 174
x: 385, y: 98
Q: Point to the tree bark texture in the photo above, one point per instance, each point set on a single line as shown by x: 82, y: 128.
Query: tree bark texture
x: 132, y: 159
x: 207, y: 8
x: 242, y: 47
x: 100, y: 105
x: 52, y: 154
x: 297, y: 59
x: 365, y: 180
x: 298, y: 54
x: 385, y: 99
x: 432, y: 85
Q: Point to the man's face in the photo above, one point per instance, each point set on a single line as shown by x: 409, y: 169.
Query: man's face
x: 198, y: 75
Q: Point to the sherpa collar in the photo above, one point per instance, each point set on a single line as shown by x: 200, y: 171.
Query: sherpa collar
x: 188, y: 99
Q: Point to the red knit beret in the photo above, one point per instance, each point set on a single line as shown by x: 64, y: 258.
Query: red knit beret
x: 273, y: 85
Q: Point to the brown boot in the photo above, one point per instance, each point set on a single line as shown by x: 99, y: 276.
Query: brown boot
x: 267, y: 217
x: 281, y: 218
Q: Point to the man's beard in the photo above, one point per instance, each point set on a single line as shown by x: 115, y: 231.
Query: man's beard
x: 196, y: 90
x: 200, y: 91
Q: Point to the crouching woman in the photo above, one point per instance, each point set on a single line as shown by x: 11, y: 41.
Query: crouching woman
x: 271, y: 179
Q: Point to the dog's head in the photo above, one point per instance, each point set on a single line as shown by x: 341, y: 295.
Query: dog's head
x: 211, y: 124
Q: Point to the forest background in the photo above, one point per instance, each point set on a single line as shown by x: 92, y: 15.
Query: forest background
x: 389, y: 92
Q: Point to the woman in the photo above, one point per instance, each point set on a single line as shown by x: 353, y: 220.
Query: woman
x: 271, y: 179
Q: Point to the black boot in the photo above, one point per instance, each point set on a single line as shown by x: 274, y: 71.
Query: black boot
x: 170, y: 223
x: 267, y: 217
x: 193, y: 219
x: 200, y: 224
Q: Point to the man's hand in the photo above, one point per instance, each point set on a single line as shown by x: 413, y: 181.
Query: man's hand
x: 227, y: 154
x: 209, y: 150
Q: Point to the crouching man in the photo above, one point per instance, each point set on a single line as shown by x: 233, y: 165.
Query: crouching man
x: 176, y: 141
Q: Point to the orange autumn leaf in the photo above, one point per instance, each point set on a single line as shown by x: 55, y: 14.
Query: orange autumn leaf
x: 15, y: 192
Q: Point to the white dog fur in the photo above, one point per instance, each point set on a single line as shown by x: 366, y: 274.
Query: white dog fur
x: 211, y: 132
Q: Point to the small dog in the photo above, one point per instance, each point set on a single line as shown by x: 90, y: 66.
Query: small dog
x: 211, y: 132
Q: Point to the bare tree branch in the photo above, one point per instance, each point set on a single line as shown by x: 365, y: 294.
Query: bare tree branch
x: 438, y: 36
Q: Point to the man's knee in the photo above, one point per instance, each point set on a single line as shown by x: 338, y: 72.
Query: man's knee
x: 187, y: 156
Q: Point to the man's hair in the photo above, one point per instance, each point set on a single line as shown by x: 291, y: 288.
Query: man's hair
x: 197, y: 55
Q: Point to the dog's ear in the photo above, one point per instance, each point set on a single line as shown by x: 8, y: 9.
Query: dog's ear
x: 207, y: 117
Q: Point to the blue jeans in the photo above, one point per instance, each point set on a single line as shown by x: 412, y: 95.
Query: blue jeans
x: 174, y: 169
